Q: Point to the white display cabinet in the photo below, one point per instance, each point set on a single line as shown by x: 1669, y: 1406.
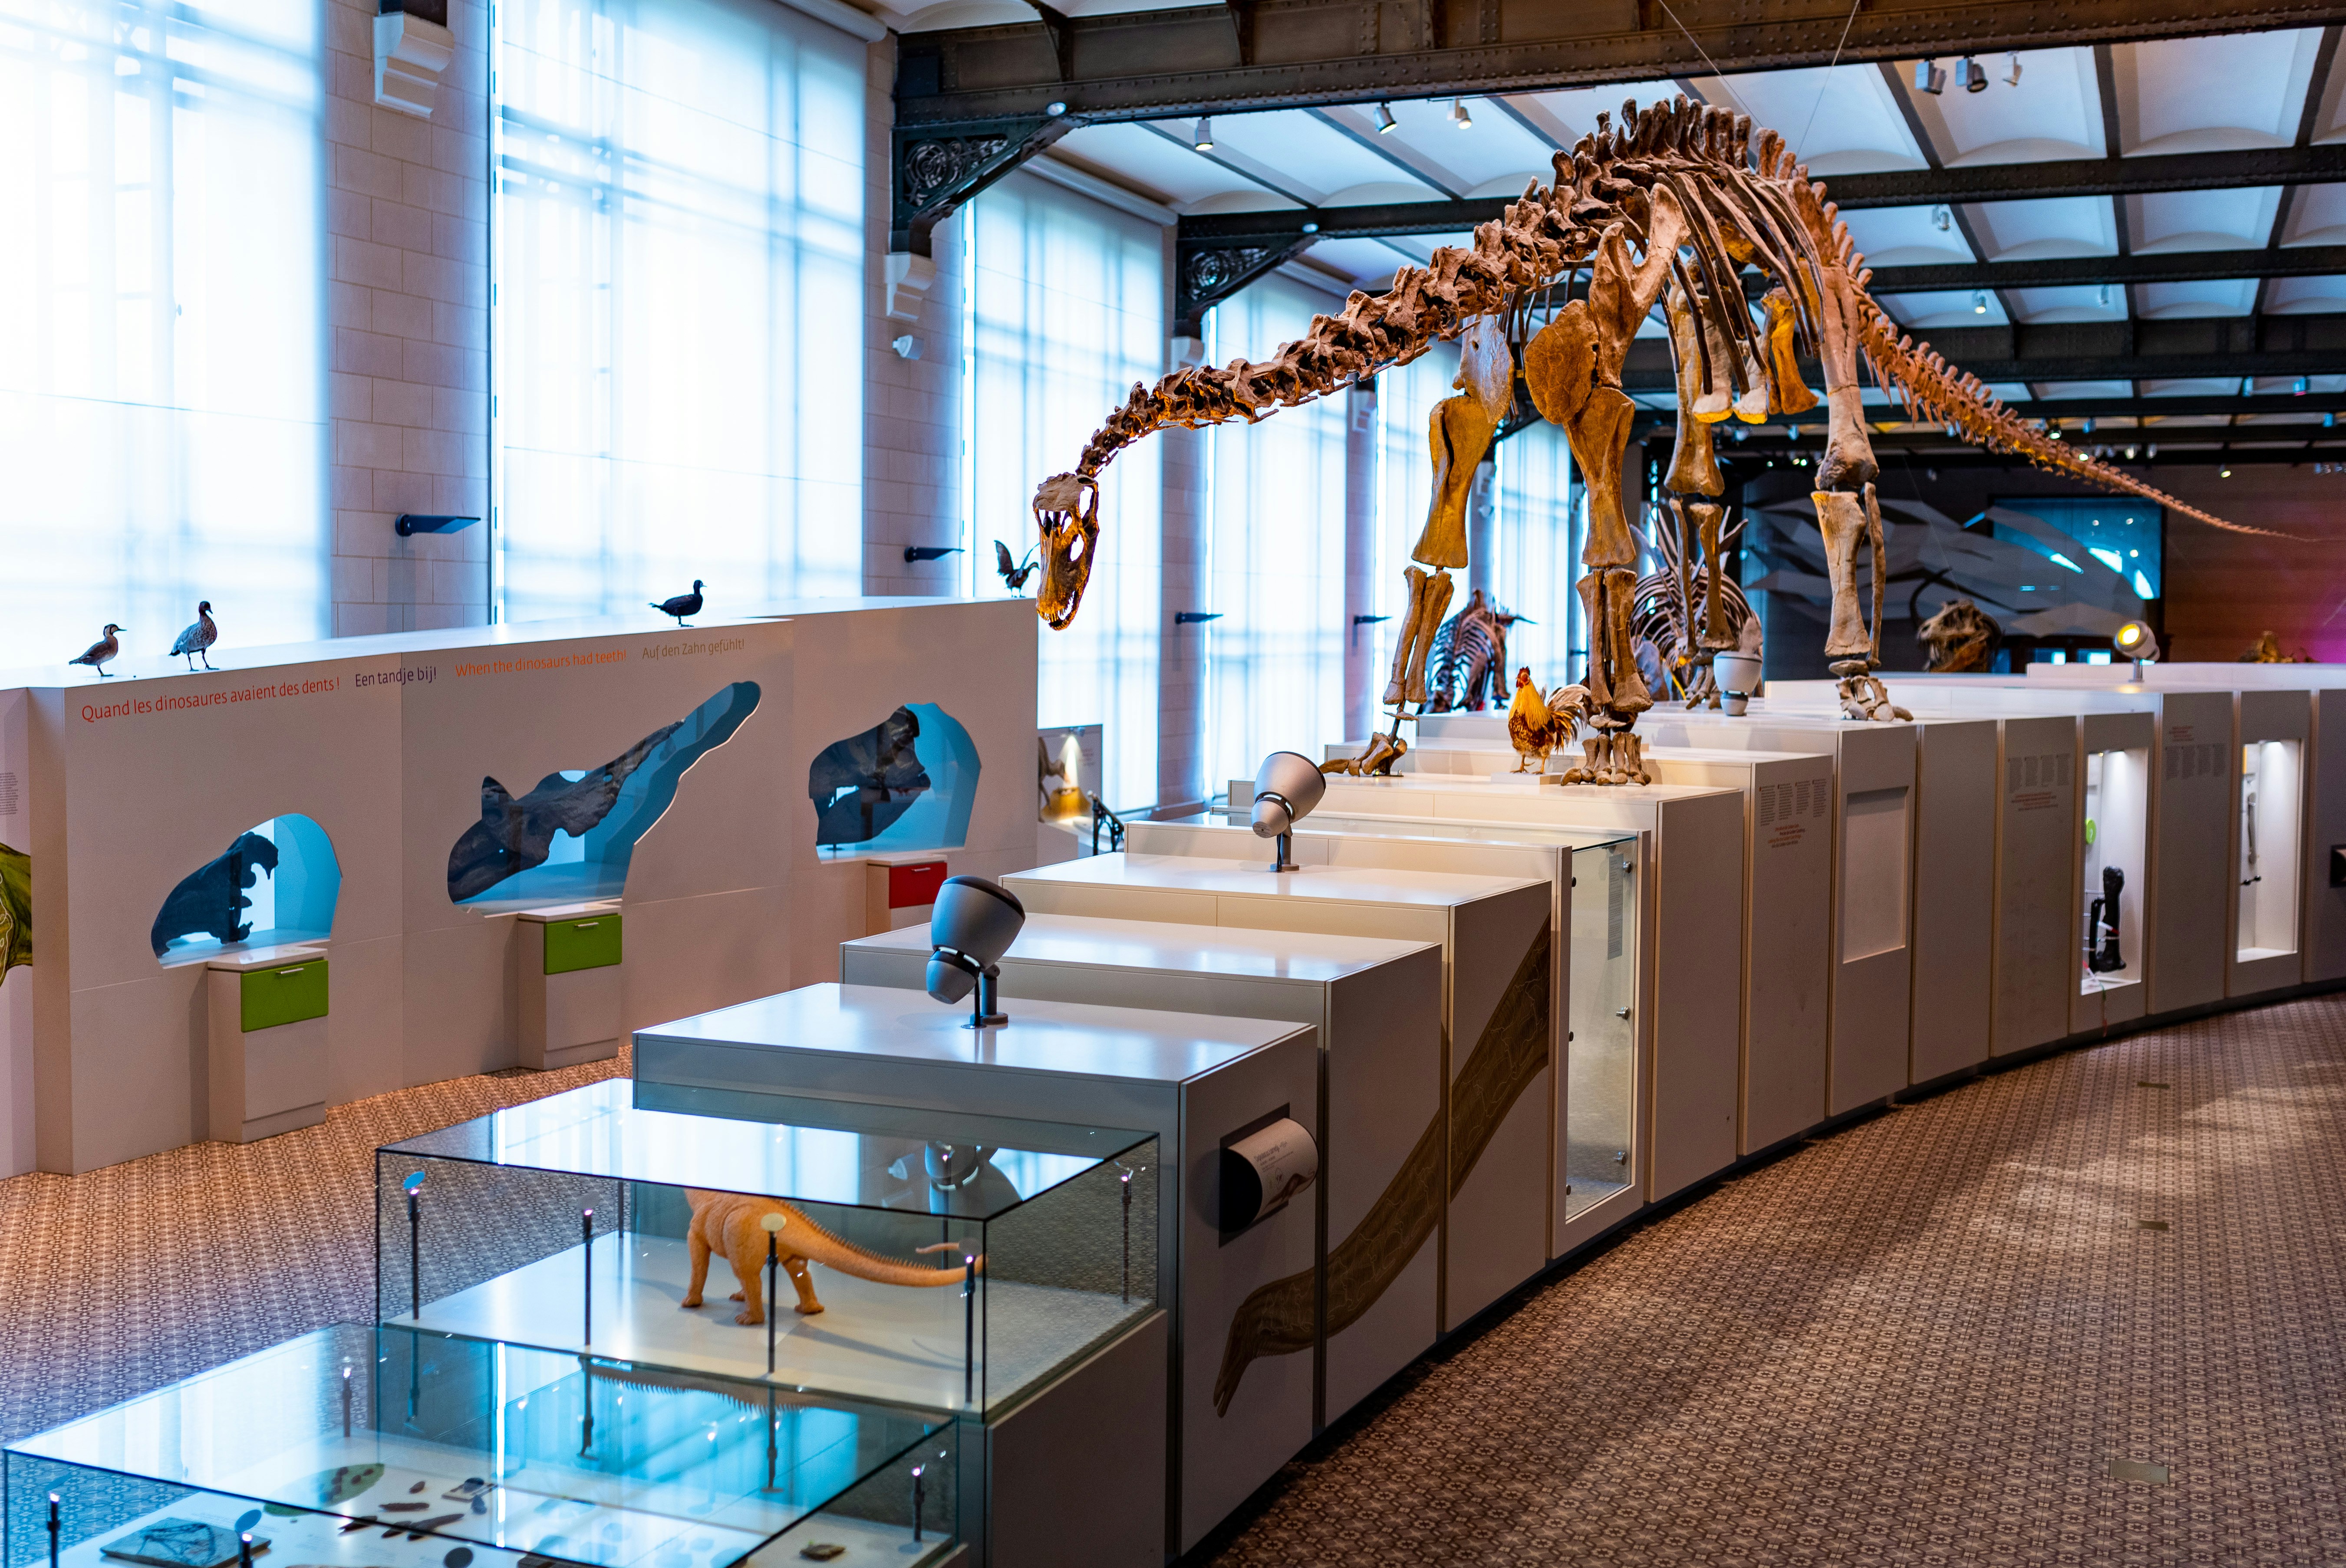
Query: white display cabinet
x: 1597, y: 1143
x: 2191, y: 806
x: 1875, y: 806
x: 1198, y: 1083
x: 1692, y: 857
x: 2268, y: 841
x: 1376, y: 1003
x: 2036, y: 962
x: 568, y: 974
x: 1785, y: 898
x: 2111, y: 895
x: 266, y: 1066
x: 1500, y: 1018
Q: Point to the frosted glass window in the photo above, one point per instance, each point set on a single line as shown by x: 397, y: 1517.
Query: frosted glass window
x: 1065, y: 312
x: 1275, y: 552
x: 676, y: 325
x: 162, y: 398
x: 1537, y: 558
x: 1405, y: 399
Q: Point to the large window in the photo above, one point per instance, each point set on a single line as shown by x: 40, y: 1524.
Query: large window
x: 162, y: 418
x: 1537, y: 559
x: 1066, y: 310
x: 677, y: 320
x: 1275, y: 552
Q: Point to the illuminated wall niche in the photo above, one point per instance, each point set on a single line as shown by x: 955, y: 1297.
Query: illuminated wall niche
x: 572, y: 837
x: 276, y: 882
x: 907, y: 783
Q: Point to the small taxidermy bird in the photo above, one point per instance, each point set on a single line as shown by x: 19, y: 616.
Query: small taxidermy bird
x: 1537, y: 725
x: 1013, y: 573
x: 98, y: 652
x: 197, y: 638
x: 683, y: 605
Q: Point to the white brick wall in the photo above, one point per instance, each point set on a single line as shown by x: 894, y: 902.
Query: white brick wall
x: 407, y: 206
x: 912, y: 410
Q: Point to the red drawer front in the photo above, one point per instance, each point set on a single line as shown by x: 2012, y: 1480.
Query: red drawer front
x: 909, y: 887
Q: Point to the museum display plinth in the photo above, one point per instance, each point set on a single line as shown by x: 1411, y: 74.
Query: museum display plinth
x: 1377, y: 1005
x: 1500, y: 1026
x: 979, y: 1268
x: 385, y: 1446
x: 568, y: 962
x: 1691, y: 857
x: 1241, y: 1374
x: 265, y: 1068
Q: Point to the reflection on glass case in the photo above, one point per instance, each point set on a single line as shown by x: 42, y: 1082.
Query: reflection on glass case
x: 2117, y: 828
x: 2269, y: 784
x: 948, y: 1263
x: 1601, y: 1054
x: 385, y: 1448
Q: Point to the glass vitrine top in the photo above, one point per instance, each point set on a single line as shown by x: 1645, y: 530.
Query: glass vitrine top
x: 427, y: 1436
x: 821, y: 1151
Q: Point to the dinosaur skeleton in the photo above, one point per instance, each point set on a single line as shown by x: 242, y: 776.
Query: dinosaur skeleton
x: 1688, y: 612
x: 1678, y: 201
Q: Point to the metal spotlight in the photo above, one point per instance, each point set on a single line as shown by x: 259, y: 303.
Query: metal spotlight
x: 2301, y: 387
x: 1204, y: 139
x: 1979, y: 301
x: 1929, y: 77
x: 2102, y: 296
x: 1941, y: 218
x: 2225, y: 472
x: 2328, y: 422
x: 1385, y: 120
x: 2151, y: 451
x: 1458, y: 114
x: 2013, y: 80
x: 1975, y: 76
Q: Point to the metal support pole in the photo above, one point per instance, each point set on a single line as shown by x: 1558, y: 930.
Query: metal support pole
x: 414, y: 1253
x: 1126, y: 1180
x: 773, y: 1284
x: 968, y: 1330
x: 54, y: 1525
x: 586, y: 1276
x: 919, y: 1497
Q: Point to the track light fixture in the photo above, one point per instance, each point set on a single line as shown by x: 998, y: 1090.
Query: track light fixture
x: 1458, y: 114
x: 1979, y: 301
x: 2224, y: 473
x: 1975, y: 76
x: 1385, y: 120
x: 1929, y: 77
x: 2089, y: 424
x: 1203, y: 140
x: 2330, y: 421
x: 2102, y: 296
x: 2013, y: 80
x: 2151, y: 451
x: 1941, y: 217
x: 2130, y: 452
x: 2301, y: 387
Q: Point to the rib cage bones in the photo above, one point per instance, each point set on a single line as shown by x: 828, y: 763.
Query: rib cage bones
x: 1722, y: 196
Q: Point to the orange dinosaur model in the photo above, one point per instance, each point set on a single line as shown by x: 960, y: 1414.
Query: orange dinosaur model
x: 730, y: 1223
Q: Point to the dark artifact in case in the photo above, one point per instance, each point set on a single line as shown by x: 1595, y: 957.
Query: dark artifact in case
x: 2102, y: 953
x: 863, y: 783
x: 211, y: 902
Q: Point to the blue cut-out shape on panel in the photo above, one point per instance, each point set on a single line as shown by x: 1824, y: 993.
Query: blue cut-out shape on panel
x: 908, y: 783
x: 572, y: 837
x: 276, y: 882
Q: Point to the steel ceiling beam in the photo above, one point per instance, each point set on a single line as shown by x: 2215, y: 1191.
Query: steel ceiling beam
x: 2070, y: 271
x: 1294, y: 52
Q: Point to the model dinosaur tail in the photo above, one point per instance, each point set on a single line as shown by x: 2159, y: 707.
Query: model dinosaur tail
x: 833, y: 1251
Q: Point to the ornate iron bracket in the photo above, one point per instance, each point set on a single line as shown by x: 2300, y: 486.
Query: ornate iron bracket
x: 1208, y: 271
x: 937, y: 168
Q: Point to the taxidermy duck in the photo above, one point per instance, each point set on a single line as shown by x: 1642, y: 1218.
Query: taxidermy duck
x: 104, y: 648
x: 1014, y: 573
x: 683, y: 605
x: 732, y: 1223
x: 1537, y: 725
x: 198, y: 637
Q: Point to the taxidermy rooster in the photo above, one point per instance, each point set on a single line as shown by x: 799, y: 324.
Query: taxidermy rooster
x: 1537, y: 725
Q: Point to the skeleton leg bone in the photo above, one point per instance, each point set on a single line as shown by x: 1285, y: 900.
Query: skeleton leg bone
x: 1397, y: 689
x: 1437, y: 604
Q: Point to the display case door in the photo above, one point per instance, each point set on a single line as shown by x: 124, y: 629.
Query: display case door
x: 2190, y: 858
x: 2035, y: 876
x: 2269, y: 801
x: 2109, y: 962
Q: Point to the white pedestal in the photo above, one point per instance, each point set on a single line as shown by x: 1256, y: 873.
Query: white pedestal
x: 573, y: 1016
x: 271, y: 1079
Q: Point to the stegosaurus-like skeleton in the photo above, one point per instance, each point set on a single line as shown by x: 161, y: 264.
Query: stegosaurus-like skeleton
x: 1679, y: 200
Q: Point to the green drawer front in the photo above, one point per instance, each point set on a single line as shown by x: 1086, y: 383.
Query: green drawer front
x: 286, y: 995
x: 590, y: 943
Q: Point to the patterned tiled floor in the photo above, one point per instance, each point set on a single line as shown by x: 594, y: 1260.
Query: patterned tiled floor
x: 1922, y: 1340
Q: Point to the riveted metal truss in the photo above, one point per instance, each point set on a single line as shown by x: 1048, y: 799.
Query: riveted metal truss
x: 935, y: 169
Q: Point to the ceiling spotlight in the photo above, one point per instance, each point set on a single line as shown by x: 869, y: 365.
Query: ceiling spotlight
x: 2130, y: 452
x: 1979, y: 301
x: 2248, y: 386
x: 1458, y: 114
x: 2151, y: 451
x: 1204, y: 139
x: 1385, y: 120
x: 2089, y: 424
x: 2225, y: 472
x: 2301, y: 387
x: 2102, y: 296
x: 1929, y: 78
x: 2014, y: 80
x: 2328, y: 422
x: 1975, y: 76
x: 1941, y: 218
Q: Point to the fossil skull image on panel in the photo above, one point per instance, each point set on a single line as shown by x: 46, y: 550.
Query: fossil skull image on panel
x: 1669, y: 210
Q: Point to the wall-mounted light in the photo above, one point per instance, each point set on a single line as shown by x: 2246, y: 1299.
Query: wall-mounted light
x: 1929, y: 78
x: 1979, y: 301
x: 907, y: 346
x: 1195, y: 618
x: 1975, y: 76
x: 1203, y: 138
x: 1385, y: 120
x: 929, y: 552
x: 1458, y: 114
x: 411, y: 523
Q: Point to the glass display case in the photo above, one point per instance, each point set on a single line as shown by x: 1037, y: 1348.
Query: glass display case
x: 1601, y: 1050
x: 386, y: 1448
x: 2270, y: 780
x: 939, y: 1261
x: 2114, y: 872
